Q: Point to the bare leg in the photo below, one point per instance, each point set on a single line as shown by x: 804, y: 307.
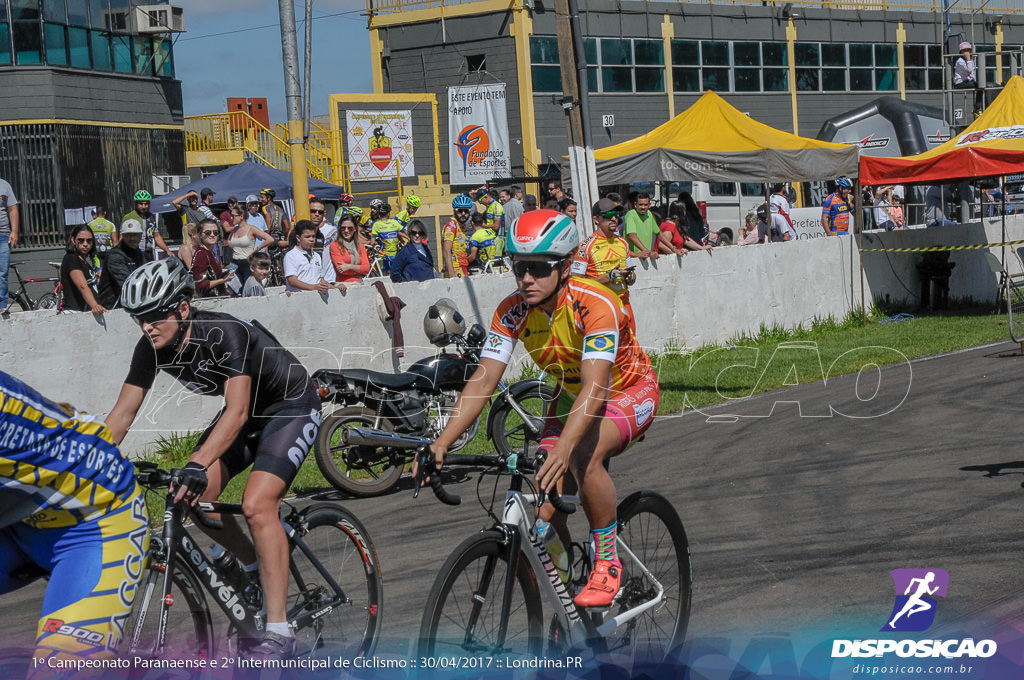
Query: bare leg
x: 261, y: 505
x: 232, y: 536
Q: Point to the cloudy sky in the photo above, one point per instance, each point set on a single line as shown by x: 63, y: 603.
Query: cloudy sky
x: 232, y: 48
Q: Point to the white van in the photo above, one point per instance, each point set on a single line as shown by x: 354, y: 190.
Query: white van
x: 726, y: 204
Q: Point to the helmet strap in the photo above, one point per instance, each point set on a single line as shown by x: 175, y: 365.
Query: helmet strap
x: 179, y: 337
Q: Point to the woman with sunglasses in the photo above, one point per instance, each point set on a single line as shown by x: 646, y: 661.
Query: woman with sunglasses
x: 243, y: 241
x: 347, y: 254
x: 414, y: 262
x: 207, y: 273
x: 79, y: 274
x: 577, y: 331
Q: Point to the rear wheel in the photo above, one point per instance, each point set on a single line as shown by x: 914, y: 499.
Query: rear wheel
x: 463, y: 611
x: 651, y: 528
x: 15, y: 305
x: 47, y: 301
x: 341, y: 544
x: 361, y: 471
x: 508, y: 429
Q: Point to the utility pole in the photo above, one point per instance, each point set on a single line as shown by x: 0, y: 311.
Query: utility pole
x: 570, y: 57
x: 293, y: 98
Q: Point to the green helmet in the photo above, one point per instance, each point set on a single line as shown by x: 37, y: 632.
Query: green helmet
x: 413, y: 201
x: 143, y: 195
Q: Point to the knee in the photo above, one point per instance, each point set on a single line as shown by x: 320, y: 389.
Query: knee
x: 260, y: 511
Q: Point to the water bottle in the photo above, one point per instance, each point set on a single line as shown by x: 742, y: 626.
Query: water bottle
x: 556, y: 550
x: 228, y: 567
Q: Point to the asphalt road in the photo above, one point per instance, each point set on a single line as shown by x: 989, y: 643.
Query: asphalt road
x: 797, y: 505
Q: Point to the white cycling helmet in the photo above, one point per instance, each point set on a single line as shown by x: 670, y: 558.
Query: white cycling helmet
x: 156, y: 287
x: 542, y: 232
x: 443, y: 318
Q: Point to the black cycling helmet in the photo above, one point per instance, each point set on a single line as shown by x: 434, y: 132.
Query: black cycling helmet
x: 763, y: 210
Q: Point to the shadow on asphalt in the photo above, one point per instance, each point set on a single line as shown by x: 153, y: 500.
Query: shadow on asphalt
x: 997, y: 469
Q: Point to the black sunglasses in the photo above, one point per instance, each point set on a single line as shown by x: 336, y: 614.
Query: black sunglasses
x: 315, y: 212
x: 151, y: 318
x: 417, y: 233
x: 209, y: 232
x: 538, y: 269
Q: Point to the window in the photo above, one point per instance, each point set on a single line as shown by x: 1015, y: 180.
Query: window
x: 616, y: 52
x: 616, y: 79
x: 78, y: 47
x: 685, y: 53
x: 27, y: 43
x: 547, y: 79
x: 143, y: 55
x: 122, y: 53
x: 923, y: 68
x: 775, y: 54
x: 164, y: 59
x: 686, y: 79
x: 101, y: 50
x: 833, y: 55
x: 56, y: 45
x: 5, y: 44
x: 476, y: 63
x: 751, y: 189
x: 747, y: 53
x: 808, y: 54
x: 649, y: 79
x: 543, y: 50
x: 78, y: 12
x: 714, y: 53
x: 648, y: 52
x: 722, y: 188
x: 54, y: 10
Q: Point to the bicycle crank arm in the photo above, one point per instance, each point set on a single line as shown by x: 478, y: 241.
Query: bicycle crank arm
x: 611, y: 624
x: 362, y: 436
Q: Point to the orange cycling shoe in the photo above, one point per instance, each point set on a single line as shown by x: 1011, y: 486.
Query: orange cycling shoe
x: 602, y: 586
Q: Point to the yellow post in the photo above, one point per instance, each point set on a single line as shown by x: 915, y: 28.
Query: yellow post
x: 376, y: 48
x: 300, y: 182
x: 791, y: 60
x: 668, y: 31
x: 521, y: 29
x: 901, y: 38
x: 999, y: 57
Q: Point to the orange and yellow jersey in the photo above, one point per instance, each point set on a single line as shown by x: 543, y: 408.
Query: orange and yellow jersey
x: 589, y: 322
x: 598, y: 255
x: 460, y: 258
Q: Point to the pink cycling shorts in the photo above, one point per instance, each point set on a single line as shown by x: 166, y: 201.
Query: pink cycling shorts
x: 632, y: 410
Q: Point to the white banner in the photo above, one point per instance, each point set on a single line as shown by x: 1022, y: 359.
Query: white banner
x: 477, y: 134
x: 376, y: 139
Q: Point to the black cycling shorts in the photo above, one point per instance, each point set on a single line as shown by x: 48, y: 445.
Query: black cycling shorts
x: 275, y: 439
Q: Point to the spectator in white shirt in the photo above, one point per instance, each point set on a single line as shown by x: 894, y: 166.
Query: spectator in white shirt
x: 303, y: 268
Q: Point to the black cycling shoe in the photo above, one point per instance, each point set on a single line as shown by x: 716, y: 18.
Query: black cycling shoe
x: 273, y: 646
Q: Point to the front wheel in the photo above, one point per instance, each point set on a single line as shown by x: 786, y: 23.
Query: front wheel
x: 361, y: 471
x: 464, y: 608
x: 189, y: 626
x: 651, y: 528
x: 508, y: 429
x: 348, y: 560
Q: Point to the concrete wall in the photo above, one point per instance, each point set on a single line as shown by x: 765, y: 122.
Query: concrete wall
x: 702, y: 298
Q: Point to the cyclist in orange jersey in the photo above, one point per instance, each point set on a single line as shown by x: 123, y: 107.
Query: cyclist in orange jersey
x: 579, y: 332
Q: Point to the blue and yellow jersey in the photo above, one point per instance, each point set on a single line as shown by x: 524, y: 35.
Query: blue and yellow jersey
x: 486, y: 242
x: 58, y: 467
x: 388, y: 232
x: 494, y: 214
x: 403, y: 217
x: 838, y: 212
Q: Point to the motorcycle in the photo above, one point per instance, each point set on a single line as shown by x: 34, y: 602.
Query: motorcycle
x: 394, y: 413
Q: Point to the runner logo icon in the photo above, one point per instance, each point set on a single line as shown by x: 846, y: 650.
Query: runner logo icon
x: 916, y: 593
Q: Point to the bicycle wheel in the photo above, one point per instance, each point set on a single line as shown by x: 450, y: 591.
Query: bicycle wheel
x: 189, y: 633
x: 650, y: 526
x: 508, y: 431
x: 463, y: 609
x: 47, y: 301
x: 361, y: 471
x: 15, y: 304
x: 343, y: 547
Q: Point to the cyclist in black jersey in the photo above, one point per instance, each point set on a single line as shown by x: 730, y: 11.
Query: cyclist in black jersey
x: 270, y: 418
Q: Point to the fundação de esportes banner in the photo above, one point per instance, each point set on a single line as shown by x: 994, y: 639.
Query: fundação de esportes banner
x: 376, y: 141
x: 478, y: 147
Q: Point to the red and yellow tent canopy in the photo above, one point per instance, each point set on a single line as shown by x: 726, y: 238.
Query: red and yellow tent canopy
x: 993, y: 145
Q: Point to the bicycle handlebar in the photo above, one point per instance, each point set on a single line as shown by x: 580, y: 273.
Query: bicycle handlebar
x: 428, y: 466
x: 152, y: 477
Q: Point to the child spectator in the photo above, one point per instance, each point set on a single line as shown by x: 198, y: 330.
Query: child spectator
x: 259, y: 266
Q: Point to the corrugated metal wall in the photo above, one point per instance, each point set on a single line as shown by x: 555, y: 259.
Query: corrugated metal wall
x: 52, y: 167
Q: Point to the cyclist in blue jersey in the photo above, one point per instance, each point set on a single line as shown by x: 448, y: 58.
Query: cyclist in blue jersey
x: 69, y: 509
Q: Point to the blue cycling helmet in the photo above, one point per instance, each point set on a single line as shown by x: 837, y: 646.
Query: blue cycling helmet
x: 462, y: 201
x: 844, y: 182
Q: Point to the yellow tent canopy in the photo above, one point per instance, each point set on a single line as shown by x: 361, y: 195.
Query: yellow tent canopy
x: 713, y: 141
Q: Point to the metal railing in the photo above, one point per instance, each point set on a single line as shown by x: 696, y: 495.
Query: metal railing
x: 962, y: 7
x: 238, y: 131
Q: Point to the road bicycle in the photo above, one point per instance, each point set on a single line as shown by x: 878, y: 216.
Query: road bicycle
x: 378, y: 261
x: 20, y: 301
x: 488, y: 599
x: 335, y: 588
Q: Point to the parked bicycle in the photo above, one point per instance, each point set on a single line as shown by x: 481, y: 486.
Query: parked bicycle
x: 20, y: 301
x: 378, y: 261
x: 335, y: 589
x: 488, y: 599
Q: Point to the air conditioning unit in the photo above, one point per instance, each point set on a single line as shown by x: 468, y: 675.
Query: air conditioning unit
x: 157, y: 19
x: 165, y: 184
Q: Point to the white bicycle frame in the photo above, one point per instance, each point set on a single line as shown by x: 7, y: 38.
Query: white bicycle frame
x: 517, y: 513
